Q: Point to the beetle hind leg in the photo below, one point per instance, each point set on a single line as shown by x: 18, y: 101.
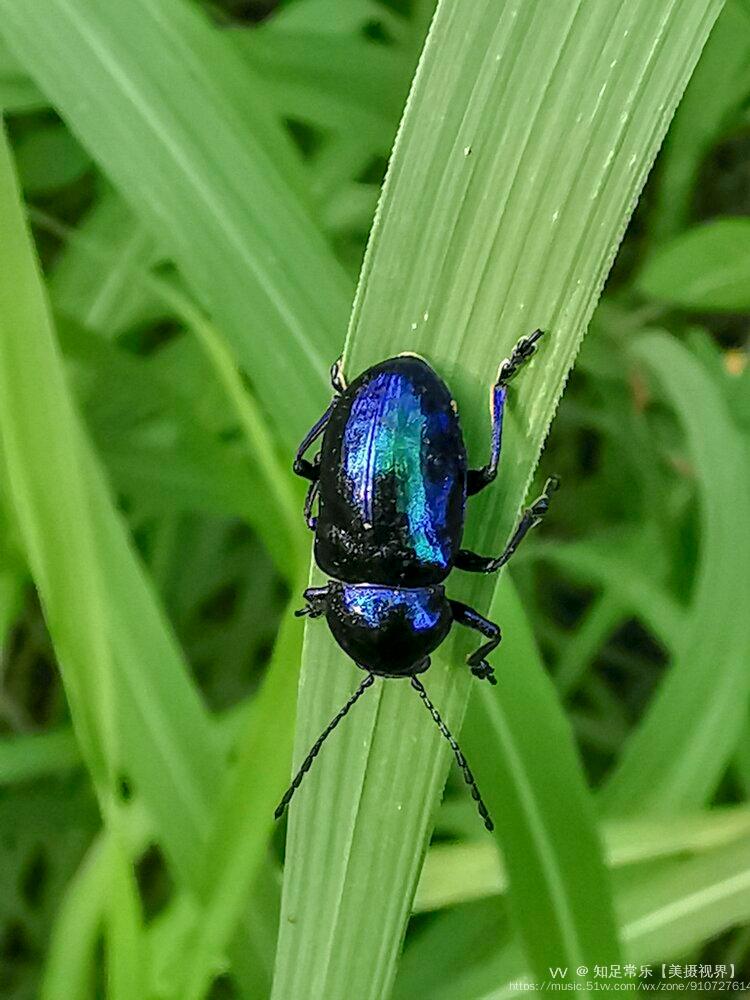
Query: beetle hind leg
x: 531, y: 517
x: 465, y: 615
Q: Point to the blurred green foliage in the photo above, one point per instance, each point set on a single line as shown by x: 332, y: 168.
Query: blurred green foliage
x: 165, y: 152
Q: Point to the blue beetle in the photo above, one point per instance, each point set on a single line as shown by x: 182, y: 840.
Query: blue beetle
x: 391, y: 481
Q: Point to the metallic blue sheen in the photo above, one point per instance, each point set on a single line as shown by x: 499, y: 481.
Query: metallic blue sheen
x: 387, y: 436
x: 375, y: 605
x: 499, y: 394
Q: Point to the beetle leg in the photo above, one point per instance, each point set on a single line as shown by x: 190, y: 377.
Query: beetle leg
x: 521, y: 353
x: 317, y: 602
x: 533, y: 515
x: 338, y: 381
x: 477, y: 479
x: 312, y: 493
x: 465, y: 615
x: 303, y: 468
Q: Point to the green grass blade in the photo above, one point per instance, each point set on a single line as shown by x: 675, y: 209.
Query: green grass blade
x: 682, y: 907
x: 621, y: 569
x: 663, y: 917
x: 713, y: 99
x: 70, y: 957
x: 705, y: 269
x: 576, y: 659
x: 41, y: 447
x: 279, y: 487
x: 104, y: 297
x: 126, y: 968
x: 459, y: 872
x: 46, y: 492
x: 533, y: 784
x: 17, y: 92
x: 162, y: 103
x: 169, y: 751
x: 681, y: 747
x: 243, y: 820
x: 70, y: 961
x: 25, y: 757
x: 173, y: 754
x: 339, y: 82
x: 527, y: 137
x: 265, y: 493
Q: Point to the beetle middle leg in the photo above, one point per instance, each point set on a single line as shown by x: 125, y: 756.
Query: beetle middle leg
x: 524, y: 350
x: 317, y: 602
x: 532, y: 516
x: 465, y: 615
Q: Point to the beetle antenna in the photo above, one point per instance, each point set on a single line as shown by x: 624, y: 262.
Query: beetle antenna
x: 315, y: 749
x: 460, y: 759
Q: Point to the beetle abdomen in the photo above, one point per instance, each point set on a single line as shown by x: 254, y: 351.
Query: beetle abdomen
x: 388, y: 629
x: 392, y: 479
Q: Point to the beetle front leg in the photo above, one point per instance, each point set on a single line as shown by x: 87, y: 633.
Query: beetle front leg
x: 477, y: 479
x: 465, y: 615
x: 532, y: 516
x: 312, y: 493
x: 302, y: 467
x: 317, y: 602
x: 338, y: 380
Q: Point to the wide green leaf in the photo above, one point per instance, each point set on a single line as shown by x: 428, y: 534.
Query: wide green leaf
x: 527, y: 137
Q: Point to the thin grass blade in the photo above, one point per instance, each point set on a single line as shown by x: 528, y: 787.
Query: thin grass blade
x: 523, y: 754
x: 681, y: 747
x: 166, y: 746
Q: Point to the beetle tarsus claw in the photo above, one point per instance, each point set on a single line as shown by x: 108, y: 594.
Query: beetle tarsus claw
x: 484, y: 671
x: 524, y: 350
